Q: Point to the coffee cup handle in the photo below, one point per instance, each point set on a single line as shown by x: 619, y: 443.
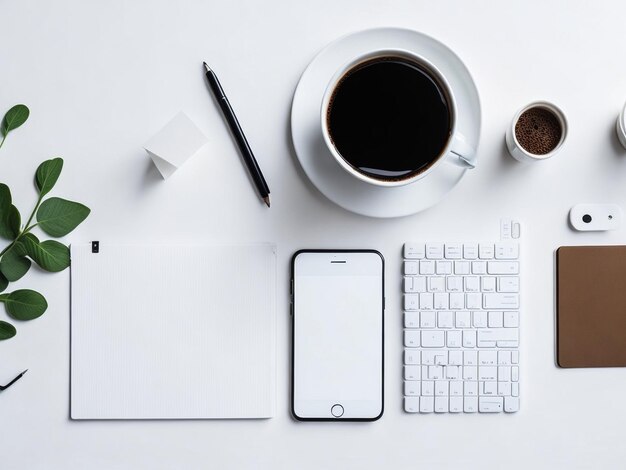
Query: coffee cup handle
x: 461, y: 153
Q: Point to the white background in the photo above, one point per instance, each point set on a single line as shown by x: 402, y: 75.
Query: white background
x: 103, y: 77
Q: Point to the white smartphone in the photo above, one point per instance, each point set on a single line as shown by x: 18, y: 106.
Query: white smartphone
x: 337, y: 325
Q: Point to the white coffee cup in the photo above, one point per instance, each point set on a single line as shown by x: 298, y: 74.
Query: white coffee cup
x: 515, y: 148
x: 456, y: 150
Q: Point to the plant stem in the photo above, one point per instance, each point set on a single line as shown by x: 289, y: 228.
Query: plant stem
x: 3, y: 139
x: 27, y: 227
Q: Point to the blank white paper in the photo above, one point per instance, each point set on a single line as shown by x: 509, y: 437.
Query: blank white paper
x: 166, y: 332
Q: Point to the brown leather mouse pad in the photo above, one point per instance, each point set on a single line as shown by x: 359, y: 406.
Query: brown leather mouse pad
x: 591, y: 306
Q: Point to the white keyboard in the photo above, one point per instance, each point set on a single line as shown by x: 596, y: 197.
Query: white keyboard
x: 461, y: 327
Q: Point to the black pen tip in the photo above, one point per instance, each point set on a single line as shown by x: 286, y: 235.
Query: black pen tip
x: 24, y: 371
x: 206, y: 66
x: 267, y: 200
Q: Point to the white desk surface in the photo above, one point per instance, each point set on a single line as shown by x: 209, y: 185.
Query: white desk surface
x: 102, y: 77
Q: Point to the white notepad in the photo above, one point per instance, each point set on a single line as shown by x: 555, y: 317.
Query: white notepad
x: 166, y: 332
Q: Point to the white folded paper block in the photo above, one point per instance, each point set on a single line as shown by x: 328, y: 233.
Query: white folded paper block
x: 179, y: 140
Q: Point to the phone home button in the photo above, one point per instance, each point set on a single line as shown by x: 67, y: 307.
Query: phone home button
x: 337, y: 411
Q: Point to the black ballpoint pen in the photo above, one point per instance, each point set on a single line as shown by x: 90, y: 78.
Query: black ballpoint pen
x: 240, y: 138
x: 4, y: 387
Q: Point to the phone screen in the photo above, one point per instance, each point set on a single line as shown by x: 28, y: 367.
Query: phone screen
x: 338, y: 335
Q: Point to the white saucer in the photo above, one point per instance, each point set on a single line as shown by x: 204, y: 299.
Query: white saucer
x: 318, y: 163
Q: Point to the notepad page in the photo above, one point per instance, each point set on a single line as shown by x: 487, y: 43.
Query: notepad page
x: 166, y: 332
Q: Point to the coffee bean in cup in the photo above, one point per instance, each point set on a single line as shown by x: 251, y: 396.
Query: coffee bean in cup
x: 537, y: 132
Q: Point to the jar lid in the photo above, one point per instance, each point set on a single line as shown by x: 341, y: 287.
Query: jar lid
x: 621, y: 127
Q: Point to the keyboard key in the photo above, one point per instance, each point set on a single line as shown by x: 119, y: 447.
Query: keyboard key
x: 511, y: 319
x: 441, y: 388
x: 419, y: 284
x: 441, y: 358
x: 470, y: 404
x: 488, y: 284
x: 456, y: 388
x: 435, y: 372
x: 428, y: 388
x: 515, y: 357
x: 408, y: 284
x: 428, y: 319
x: 488, y: 358
x: 504, y: 374
x: 485, y: 251
x: 500, y: 301
x: 511, y: 404
x: 434, y: 250
x: 490, y: 404
x: 470, y: 373
x: 473, y: 300
x: 427, y: 404
x: 472, y: 284
x: 455, y: 284
x: 411, y: 301
x: 437, y: 284
x: 441, y: 404
x: 414, y: 250
x: 508, y: 284
x: 411, y: 319
x: 456, y: 404
x: 455, y: 358
x: 470, y: 358
x: 480, y: 319
x: 412, y: 372
x: 469, y: 339
x: 479, y: 267
x: 488, y: 389
x: 515, y: 389
x: 470, y: 250
x: 463, y: 319
x: 457, y: 300
x: 487, y: 373
x: 503, y: 267
x: 491, y: 335
x: 452, y: 372
x: 453, y: 251
x: 504, y: 388
x: 441, y: 301
x: 426, y: 300
x: 470, y: 389
x: 515, y: 374
x: 495, y: 320
x: 507, y: 250
x: 411, y: 357
x: 410, y: 267
x: 445, y: 319
x: 427, y: 267
x: 412, y: 388
x: 453, y: 339
x: 504, y: 358
x: 461, y: 267
x: 444, y: 267
x: 428, y: 358
x: 433, y: 339
x: 411, y: 404
x: 412, y: 339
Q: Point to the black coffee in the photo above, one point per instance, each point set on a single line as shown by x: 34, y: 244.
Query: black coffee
x: 389, y: 118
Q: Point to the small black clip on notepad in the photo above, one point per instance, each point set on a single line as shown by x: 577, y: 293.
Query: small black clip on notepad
x: 4, y: 387
x: 95, y: 247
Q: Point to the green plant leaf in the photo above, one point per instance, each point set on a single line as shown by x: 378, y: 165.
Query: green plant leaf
x: 58, y: 217
x: 24, y: 304
x: 49, y: 255
x: 14, y: 264
x: 7, y: 330
x: 10, y: 219
x: 48, y: 174
x: 5, y: 198
x: 4, y: 282
x: 14, y: 118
